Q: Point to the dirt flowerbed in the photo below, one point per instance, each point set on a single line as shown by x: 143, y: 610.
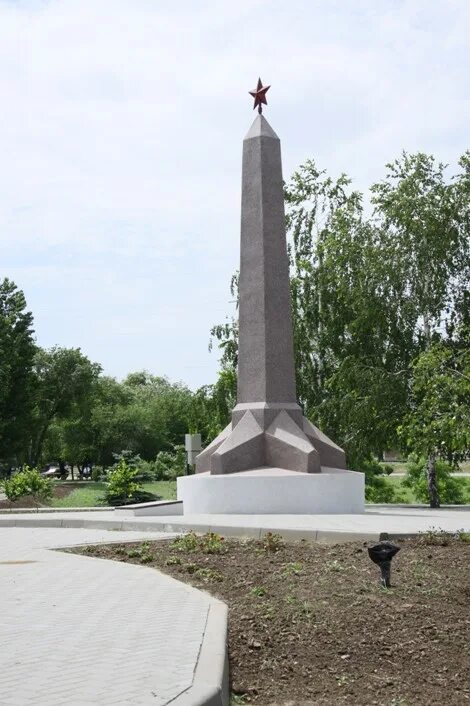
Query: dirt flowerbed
x: 310, y: 624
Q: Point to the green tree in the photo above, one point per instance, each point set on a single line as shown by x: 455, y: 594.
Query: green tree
x: 424, y: 221
x: 352, y: 340
x: 211, y: 405
x: 438, y: 423
x: 64, y: 380
x: 17, y: 350
x: 163, y: 409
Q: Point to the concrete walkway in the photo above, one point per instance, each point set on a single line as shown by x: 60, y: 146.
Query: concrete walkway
x: 378, y: 519
x: 79, y: 631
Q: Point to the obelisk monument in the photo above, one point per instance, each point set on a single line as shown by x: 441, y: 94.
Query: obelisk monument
x: 268, y: 430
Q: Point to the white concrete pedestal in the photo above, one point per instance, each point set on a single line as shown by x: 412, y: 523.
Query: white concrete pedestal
x: 271, y: 491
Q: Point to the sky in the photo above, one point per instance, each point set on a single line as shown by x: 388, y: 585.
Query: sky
x: 121, y: 129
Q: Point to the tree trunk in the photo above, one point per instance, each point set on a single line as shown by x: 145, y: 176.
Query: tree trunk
x: 434, y: 500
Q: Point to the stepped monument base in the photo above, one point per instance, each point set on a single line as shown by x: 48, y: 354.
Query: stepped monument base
x: 273, y: 491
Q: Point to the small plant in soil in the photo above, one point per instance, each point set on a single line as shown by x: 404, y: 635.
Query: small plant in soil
x: 142, y: 553
x: 440, y: 538
x: 192, y: 568
x: 188, y: 542
x: 272, y: 542
x: 293, y: 569
x: 258, y: 591
x: 300, y: 608
x: 212, y: 543
x: 209, y: 543
x: 268, y: 611
x: 342, y: 680
x: 173, y: 561
x: 209, y: 575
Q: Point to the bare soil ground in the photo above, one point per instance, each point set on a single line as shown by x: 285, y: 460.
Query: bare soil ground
x: 310, y: 624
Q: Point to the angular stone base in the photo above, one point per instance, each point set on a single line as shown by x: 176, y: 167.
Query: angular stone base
x: 274, y: 435
x: 273, y: 491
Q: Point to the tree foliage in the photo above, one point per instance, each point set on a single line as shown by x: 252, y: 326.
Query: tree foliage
x: 17, y: 383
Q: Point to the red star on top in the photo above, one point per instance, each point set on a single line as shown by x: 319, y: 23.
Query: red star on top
x: 259, y: 94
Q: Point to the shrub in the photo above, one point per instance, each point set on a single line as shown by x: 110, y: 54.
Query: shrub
x: 98, y: 474
x: 212, y: 543
x: 28, y: 482
x: 146, y: 471
x: 387, y: 469
x: 377, y: 489
x: 122, y: 485
x: 170, y: 464
x: 451, y: 490
x: 188, y: 542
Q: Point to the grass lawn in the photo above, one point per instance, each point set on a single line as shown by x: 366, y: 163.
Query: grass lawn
x: 88, y: 493
x: 407, y: 495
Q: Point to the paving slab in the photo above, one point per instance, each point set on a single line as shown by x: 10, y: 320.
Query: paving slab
x: 376, y: 520
x: 79, y: 630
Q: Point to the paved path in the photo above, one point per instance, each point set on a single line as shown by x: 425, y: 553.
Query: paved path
x: 395, y: 520
x: 78, y: 631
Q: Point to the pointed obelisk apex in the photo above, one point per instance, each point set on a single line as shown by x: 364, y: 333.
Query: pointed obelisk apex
x: 267, y: 428
x: 261, y: 128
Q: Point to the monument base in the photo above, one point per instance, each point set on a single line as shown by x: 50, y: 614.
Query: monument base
x: 273, y: 491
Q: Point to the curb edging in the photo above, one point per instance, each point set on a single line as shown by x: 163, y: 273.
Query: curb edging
x: 210, y: 685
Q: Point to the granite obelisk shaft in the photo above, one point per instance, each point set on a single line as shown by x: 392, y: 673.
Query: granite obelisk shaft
x: 266, y: 356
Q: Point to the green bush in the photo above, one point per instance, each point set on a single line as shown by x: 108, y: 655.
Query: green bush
x: 170, y: 464
x: 28, y: 482
x: 377, y: 489
x: 98, y: 474
x: 387, y: 468
x: 122, y: 486
x: 188, y: 542
x: 146, y: 471
x: 451, y: 490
